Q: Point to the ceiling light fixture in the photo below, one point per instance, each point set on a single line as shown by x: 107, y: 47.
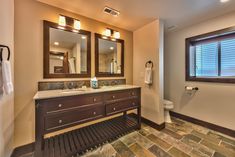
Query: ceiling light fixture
x: 224, y: 1
x: 83, y: 37
x: 56, y: 43
x: 111, y: 48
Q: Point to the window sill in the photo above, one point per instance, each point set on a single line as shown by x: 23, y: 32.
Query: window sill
x: 212, y: 79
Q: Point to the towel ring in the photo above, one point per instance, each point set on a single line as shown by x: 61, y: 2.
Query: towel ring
x: 1, y: 51
x: 149, y: 63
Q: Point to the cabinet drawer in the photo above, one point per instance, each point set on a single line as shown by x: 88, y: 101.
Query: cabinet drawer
x: 67, y: 103
x: 113, y: 108
x: 62, y: 120
x: 112, y: 96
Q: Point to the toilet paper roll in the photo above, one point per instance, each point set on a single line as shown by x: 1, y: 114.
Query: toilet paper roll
x: 188, y: 88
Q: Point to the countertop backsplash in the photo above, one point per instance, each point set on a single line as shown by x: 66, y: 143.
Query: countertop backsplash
x: 49, y: 85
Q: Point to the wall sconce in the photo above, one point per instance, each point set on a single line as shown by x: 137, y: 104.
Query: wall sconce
x: 111, y: 33
x: 107, y: 32
x: 62, y: 22
x: 68, y: 21
x: 116, y: 35
x: 77, y: 24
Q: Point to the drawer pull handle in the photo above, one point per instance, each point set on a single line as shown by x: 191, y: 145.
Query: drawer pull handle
x: 113, y: 96
x: 114, y: 109
x: 133, y: 93
x: 94, y: 99
x: 60, y: 105
x: 133, y: 104
x: 60, y: 121
x: 94, y: 113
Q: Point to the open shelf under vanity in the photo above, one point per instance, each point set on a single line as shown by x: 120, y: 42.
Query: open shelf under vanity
x: 76, y: 142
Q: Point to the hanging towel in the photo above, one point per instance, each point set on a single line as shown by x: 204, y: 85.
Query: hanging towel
x: 148, y: 75
x: 1, y: 80
x: 6, y: 75
x: 72, y: 66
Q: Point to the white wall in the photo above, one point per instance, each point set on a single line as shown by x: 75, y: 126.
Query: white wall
x: 148, y: 45
x: 214, y: 102
x: 6, y: 101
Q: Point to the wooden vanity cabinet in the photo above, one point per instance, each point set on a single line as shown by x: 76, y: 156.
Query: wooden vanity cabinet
x: 55, y: 114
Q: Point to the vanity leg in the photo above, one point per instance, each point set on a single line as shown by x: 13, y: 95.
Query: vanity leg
x: 124, y: 114
x: 39, y: 136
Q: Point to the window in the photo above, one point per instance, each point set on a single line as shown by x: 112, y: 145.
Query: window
x: 211, y: 57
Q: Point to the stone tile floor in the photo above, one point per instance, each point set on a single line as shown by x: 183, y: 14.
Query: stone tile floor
x: 178, y: 139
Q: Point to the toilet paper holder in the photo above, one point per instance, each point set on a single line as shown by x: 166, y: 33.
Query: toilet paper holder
x: 188, y: 88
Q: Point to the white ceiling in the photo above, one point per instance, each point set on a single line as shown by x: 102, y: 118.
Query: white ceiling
x: 136, y: 13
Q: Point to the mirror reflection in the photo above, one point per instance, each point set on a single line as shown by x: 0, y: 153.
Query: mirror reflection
x: 109, y: 56
x: 67, y: 52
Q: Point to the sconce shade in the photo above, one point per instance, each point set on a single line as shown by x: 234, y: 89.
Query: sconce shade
x: 107, y: 32
x: 116, y: 35
x: 62, y: 21
x: 77, y: 24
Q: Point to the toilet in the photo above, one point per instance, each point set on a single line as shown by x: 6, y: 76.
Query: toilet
x: 168, y: 105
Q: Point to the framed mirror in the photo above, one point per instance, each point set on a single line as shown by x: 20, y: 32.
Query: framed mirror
x: 109, y: 56
x: 67, y: 54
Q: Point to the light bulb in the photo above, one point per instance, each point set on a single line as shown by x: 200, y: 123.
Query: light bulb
x: 77, y: 24
x: 224, y: 1
x: 116, y: 35
x: 56, y: 43
x: 107, y: 32
x: 62, y: 20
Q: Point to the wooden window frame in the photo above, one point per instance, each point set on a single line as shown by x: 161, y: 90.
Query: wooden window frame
x: 203, y: 38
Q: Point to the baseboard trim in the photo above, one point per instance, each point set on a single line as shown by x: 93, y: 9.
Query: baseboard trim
x: 205, y: 124
x: 22, y: 150
x: 151, y: 123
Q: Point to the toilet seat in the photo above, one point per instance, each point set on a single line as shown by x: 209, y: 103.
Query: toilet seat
x: 168, y: 104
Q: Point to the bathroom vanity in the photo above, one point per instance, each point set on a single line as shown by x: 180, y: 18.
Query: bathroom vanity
x: 60, y: 109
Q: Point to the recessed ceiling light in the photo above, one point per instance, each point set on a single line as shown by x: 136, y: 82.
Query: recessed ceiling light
x: 111, y: 48
x: 83, y: 37
x: 224, y: 1
x: 56, y: 43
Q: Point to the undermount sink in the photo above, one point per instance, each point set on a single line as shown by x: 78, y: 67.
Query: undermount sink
x: 110, y: 87
x: 73, y: 90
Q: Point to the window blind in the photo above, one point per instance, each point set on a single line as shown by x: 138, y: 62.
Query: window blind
x: 207, y: 59
x: 228, y: 57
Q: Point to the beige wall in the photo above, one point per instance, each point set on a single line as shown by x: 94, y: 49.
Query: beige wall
x: 29, y: 58
x: 7, y: 101
x: 214, y: 102
x: 148, y: 45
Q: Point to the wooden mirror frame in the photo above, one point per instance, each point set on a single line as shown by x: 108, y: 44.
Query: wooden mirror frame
x: 99, y: 74
x: 46, y: 50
